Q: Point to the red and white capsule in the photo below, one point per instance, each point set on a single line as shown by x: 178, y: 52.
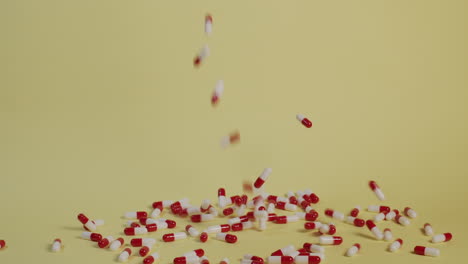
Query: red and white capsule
x: 232, y: 138
x: 151, y: 258
x: 286, y: 219
x: 131, y: 231
x: 262, y: 178
x: 391, y: 215
x: 313, y: 225
x: 378, y: 209
x: 442, y: 238
x: 313, y: 248
x: 395, y: 245
x: 284, y: 251
x: 105, y: 242
x: 330, y: 240
x: 334, y: 214
x: 192, y: 231
x: 201, y: 218
x: 218, y: 229
x: 426, y: 251
x: 144, y: 250
x: 208, y: 24
x: 402, y: 220
x: 222, y: 200
x: 374, y: 229
x: 387, y: 234
x: 376, y: 189
x: 307, y: 259
x: 227, y: 237
x: 170, y: 237
x: 355, y: 221
x: 88, y: 224
x: 56, y: 245
x: 379, y: 217
x: 203, y: 237
x: 162, y: 204
x: 196, y: 252
x: 2, y: 243
x: 217, y: 93
x: 123, y: 257
x: 410, y: 212
x: 310, y: 216
x: 116, y: 244
x: 306, y: 122
x: 136, y: 215
x: 139, y: 242
x: 239, y: 219
x: 353, y: 250
x: 252, y: 257
x: 187, y: 260
x: 241, y: 226
x: 92, y: 236
x: 286, y: 206
x: 202, y: 55
x: 428, y: 231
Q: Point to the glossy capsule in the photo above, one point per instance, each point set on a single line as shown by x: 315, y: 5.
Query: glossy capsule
x: 291, y: 197
x: 222, y: 200
x: 311, y: 196
x: 330, y: 240
x: 395, y: 245
x: 136, y: 215
x: 92, y: 236
x: 410, y: 212
x: 374, y: 229
x: 324, y: 228
x: 312, y: 225
x: 280, y: 260
x: 304, y: 121
x: 203, y: 237
x: 241, y: 226
x: 310, y: 216
x: 144, y: 250
x: 162, y: 204
x: 334, y: 214
x: 105, y: 242
x: 123, y: 257
x: 276, y: 199
x: 187, y: 260
x: 353, y: 250
x: 116, y: 244
x: 284, y: 251
x: 313, y: 248
x: 131, y: 231
x: 89, y: 225
x: 377, y: 191
x: 442, y: 238
x: 355, y: 221
x: 391, y: 215
x: 378, y: 209
x: 192, y: 231
x: 307, y: 259
x: 355, y: 211
x: 228, y: 211
x: 226, y: 237
x: 426, y: 251
x: 208, y: 24
x: 428, y: 231
x: 218, y: 229
x: 138, y: 242
x: 286, y: 206
x: 201, y: 218
x: 262, y: 178
x: 286, y: 219
x: 174, y: 236
x: 56, y: 245
x: 196, y: 252
x: 151, y: 258
x: 156, y: 212
x: 402, y: 220
x: 239, y: 219
x: 387, y: 234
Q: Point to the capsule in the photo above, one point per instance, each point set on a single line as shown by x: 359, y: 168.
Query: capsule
x: 192, y: 231
x: 262, y: 223
x: 203, y: 237
x: 271, y: 208
x: 218, y: 229
x: 286, y: 206
x: 201, y: 218
x: 136, y: 215
x: 313, y: 248
x: 239, y: 219
x: 187, y: 260
x: 218, y: 91
x: 208, y: 24
x: 312, y: 225
x: 374, y: 229
x: 92, y: 236
x: 353, y: 250
x: 162, y: 204
x: 138, y: 242
x: 387, y: 234
x: 306, y: 122
x: 2, y: 243
x: 291, y: 197
x: 280, y: 260
x: 222, y: 200
x: 410, y: 212
x: 442, y: 238
x: 330, y: 240
x: 284, y: 251
x: 144, y: 250
x: 391, y: 215
x: 202, y: 55
x: 355, y: 211
x: 131, y: 231
x: 428, y: 231
x: 116, y: 244
x: 262, y: 178
x: 395, y: 245
x: 275, y: 199
x: 241, y: 226
x: 310, y: 216
x: 205, y: 205
x: 286, y: 219
x: 123, y: 257
x: 224, y: 261
x: 332, y: 229
x: 307, y: 259
x: 376, y: 189
x: 426, y: 251
x: 379, y: 217
x: 151, y: 258
x: 402, y: 220
x: 311, y: 196
x: 105, y: 242
x: 253, y: 258
x: 89, y: 225
x: 324, y: 229
x: 56, y: 246
x: 196, y: 252
x: 355, y: 221
x: 334, y: 214
x: 227, y: 237
x: 378, y: 209
x: 231, y: 139
x: 174, y: 236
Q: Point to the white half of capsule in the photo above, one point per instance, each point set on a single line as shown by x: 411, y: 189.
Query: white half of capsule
x: 274, y: 260
x: 271, y: 208
x: 156, y: 212
x: 300, y: 117
x: 99, y: 222
x: 192, y: 260
x: 433, y: 252
x: 379, y: 217
x: 350, y: 219
x: 90, y: 226
x: 292, y: 218
x: 390, y: 216
x: 387, y: 235
x: 213, y: 229
x: 438, y: 238
x: 180, y: 235
x: 193, y: 210
x: 204, y: 52
x: 428, y: 231
x: 352, y: 251
x: 56, y: 246
x: 241, y: 210
x: 403, y: 221
x: 193, y: 232
x: 123, y: 257
x: 288, y: 250
x: 316, y: 249
x: 213, y: 211
x: 338, y: 215
x: 115, y: 245
x: 290, y: 207
x: 301, y: 259
x: 394, y: 246
x: 234, y: 220
x: 411, y: 213
x: 219, y: 88
x: 326, y: 240
x: 380, y: 195
x: 373, y: 208
x: 262, y: 223
x: 377, y: 233
x: 324, y: 228
x: 208, y: 27
x: 222, y: 201
x: 149, y: 242
x: 86, y: 235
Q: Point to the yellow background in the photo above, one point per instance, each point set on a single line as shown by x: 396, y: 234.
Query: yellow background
x: 102, y: 112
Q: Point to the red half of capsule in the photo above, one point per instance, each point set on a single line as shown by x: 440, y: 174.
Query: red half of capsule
x: 200, y: 252
x: 82, y: 218
x: 373, y: 185
x: 311, y: 216
x: 259, y: 182
x: 171, y: 223
x: 144, y: 251
x: 230, y: 238
x: 203, y: 237
x: 313, y: 198
x: 158, y: 205
x: 103, y: 243
x: 332, y: 230
x: 96, y: 237
x: 370, y: 224
x: 221, y: 192
x: 354, y: 212
x: 359, y: 222
x: 309, y: 225
x: 168, y: 237
x: 228, y: 211
x: 419, y: 250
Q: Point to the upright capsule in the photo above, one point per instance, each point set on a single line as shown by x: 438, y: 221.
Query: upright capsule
x: 353, y: 250
x: 410, y: 212
x: 151, y: 258
x: 387, y: 234
x: 280, y: 260
x: 426, y: 251
x: 374, y: 229
x: 334, y: 214
x: 307, y: 259
x: 116, y: 244
x: 136, y: 215
x: 56, y: 245
x: 203, y: 237
x: 395, y: 245
x: 428, y: 231
x: 355, y: 211
x: 201, y: 56
x: 174, y: 236
x: 123, y: 257
x: 92, y: 236
x: 208, y: 24
x: 262, y: 178
x: 222, y: 200
x: 227, y: 237
x: 86, y: 222
x: 105, y: 242
x: 241, y: 226
x: 313, y: 248
x: 187, y: 260
x: 330, y: 240
x: 284, y: 251
x: 306, y: 122
x: 192, y: 231
x: 402, y: 220
x: 442, y: 238
x: 355, y: 221
x: 376, y: 189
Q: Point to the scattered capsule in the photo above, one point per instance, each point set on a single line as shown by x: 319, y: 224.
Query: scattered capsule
x: 89, y: 225
x: 116, y: 244
x: 162, y: 204
x: 262, y: 178
x: 208, y: 24
x: 222, y: 200
x: 151, y: 258
x: 378, y: 209
x: 311, y: 196
x: 334, y: 214
x: 187, y: 260
x: 2, y: 243
x: 426, y: 251
x: 395, y: 245
x: 56, y: 245
x: 105, y: 242
x: 428, y: 231
x: 123, y: 257
x: 156, y: 212
x: 233, y: 138
x: 241, y: 226
x: 332, y: 229
x: 286, y: 206
x: 138, y: 242
x: 203, y: 54
x: 313, y: 248
x: 196, y: 252
x: 355, y: 221
x: 284, y: 251
x: 131, y: 231
x: 391, y: 215
x: 239, y: 219
x: 174, y: 236
x: 374, y: 229
x: 226, y: 237
x: 286, y: 219
x: 218, y: 91
x: 402, y: 220
x: 312, y: 225
x: 228, y: 211
x: 330, y: 240
x: 192, y: 231
x: 442, y: 238
x: 280, y: 260
x: 355, y: 211
x: 201, y: 218
x: 291, y: 197
x: 324, y: 229
x: 376, y: 189
x: 307, y: 259
x: 218, y: 229
x: 310, y: 216
x: 410, y: 212
x: 92, y: 236
x: 306, y: 122
x: 262, y: 223
x: 353, y: 250
x: 379, y: 217
x: 252, y: 257
x: 387, y: 234
x: 136, y: 215
x: 203, y: 237
x: 144, y: 250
